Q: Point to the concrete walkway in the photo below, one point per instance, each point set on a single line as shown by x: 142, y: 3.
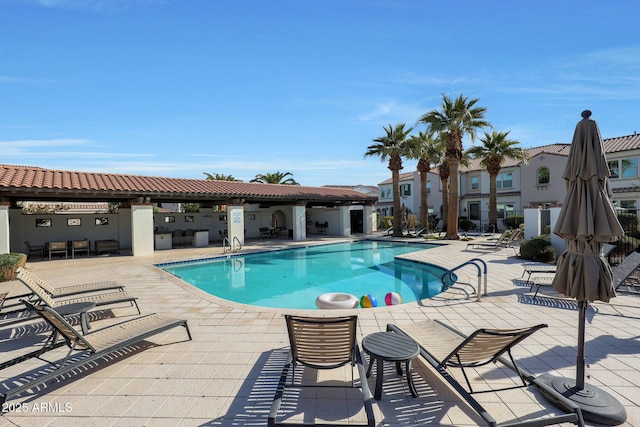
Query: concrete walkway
x: 227, y: 374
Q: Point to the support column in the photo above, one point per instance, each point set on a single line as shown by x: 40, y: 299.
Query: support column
x: 344, y: 221
x: 235, y: 225
x: 142, y: 229
x: 5, y: 243
x: 531, y: 222
x: 299, y: 213
x: 369, y: 219
x: 558, y: 243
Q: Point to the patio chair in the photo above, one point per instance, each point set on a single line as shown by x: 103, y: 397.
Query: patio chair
x: 321, y: 343
x: 92, y: 346
x: 62, y: 291
x: 80, y: 246
x: 444, y: 347
x: 58, y: 248
x: 98, y: 299
x: 34, y: 249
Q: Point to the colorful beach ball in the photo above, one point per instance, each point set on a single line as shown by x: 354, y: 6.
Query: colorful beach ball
x: 392, y: 298
x: 368, y: 301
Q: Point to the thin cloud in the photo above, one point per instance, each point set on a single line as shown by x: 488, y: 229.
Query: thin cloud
x: 393, y: 112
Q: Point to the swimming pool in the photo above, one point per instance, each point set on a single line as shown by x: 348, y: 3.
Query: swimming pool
x: 293, y: 278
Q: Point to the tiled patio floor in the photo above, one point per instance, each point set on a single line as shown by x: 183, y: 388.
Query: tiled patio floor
x: 227, y: 374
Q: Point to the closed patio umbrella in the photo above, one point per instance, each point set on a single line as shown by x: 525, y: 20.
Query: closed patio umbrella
x: 586, y: 221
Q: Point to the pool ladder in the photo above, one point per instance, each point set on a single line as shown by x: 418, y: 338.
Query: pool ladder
x: 481, y: 267
x: 237, y: 246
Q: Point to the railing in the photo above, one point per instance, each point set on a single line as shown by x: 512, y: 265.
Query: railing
x: 237, y: 247
x: 481, y: 267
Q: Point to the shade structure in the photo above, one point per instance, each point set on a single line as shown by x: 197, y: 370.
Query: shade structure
x: 586, y: 221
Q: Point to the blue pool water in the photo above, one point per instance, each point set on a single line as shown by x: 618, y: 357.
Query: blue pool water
x: 293, y: 278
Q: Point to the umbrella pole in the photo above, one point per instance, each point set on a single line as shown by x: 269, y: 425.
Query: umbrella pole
x: 580, y: 359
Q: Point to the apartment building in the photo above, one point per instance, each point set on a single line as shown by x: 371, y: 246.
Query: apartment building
x: 537, y: 183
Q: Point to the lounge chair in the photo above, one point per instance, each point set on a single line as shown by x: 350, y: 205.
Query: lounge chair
x: 536, y: 267
x: 321, y: 343
x: 444, y: 347
x: 63, y: 291
x: 98, y: 299
x: 621, y: 275
x: 500, y: 242
x: 623, y: 271
x: 94, y: 345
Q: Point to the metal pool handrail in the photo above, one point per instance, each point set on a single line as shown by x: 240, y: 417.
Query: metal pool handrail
x: 475, y: 262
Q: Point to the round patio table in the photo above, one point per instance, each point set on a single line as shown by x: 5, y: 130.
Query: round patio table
x: 391, y: 347
x: 80, y: 308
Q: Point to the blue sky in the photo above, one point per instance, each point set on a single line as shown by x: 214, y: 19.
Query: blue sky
x: 180, y: 87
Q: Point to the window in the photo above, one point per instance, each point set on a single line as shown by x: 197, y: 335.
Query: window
x: 629, y: 167
x: 505, y: 211
x: 405, y: 189
x: 428, y: 187
x: 628, y: 204
x: 505, y: 180
x: 623, y: 168
x: 475, y: 183
x: 543, y: 176
x: 385, y: 192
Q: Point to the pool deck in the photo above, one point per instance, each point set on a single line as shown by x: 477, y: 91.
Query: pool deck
x: 226, y: 375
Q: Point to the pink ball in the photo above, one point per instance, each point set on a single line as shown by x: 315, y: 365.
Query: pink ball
x: 393, y: 298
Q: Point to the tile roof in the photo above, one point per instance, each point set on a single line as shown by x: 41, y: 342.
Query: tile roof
x: 27, y: 181
x: 557, y: 149
x: 403, y: 177
x: 622, y: 143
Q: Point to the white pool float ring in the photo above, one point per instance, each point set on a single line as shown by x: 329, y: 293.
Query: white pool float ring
x: 337, y: 300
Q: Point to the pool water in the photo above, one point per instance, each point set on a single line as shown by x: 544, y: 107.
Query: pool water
x: 293, y: 278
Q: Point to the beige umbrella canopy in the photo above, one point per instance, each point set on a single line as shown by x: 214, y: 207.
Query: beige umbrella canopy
x: 586, y: 221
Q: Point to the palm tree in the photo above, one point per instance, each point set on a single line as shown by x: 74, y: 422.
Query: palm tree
x: 220, y: 177
x: 457, y: 118
x: 427, y: 150
x: 443, y: 173
x: 275, y: 178
x: 393, y: 146
x: 493, y: 152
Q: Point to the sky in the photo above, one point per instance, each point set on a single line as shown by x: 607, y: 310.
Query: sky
x: 176, y: 88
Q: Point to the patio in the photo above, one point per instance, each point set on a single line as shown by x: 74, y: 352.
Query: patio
x: 227, y: 374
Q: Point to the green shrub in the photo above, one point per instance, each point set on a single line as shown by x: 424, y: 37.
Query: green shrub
x: 9, y: 264
x: 538, y: 249
x: 628, y: 221
x: 513, y: 221
x: 466, y: 225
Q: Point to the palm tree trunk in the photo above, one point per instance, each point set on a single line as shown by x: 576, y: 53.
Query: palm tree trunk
x: 452, y: 217
x: 493, y: 201
x: 424, y: 206
x: 397, y: 210
x: 445, y: 202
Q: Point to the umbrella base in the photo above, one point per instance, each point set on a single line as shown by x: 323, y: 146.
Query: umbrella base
x: 596, y: 404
